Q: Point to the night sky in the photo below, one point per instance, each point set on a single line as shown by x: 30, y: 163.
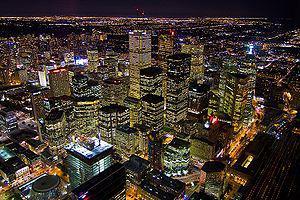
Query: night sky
x: 168, y: 8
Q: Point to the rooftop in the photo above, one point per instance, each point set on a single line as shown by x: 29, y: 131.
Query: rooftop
x: 88, y: 154
x: 179, y: 143
x: 54, y: 114
x: 113, y: 108
x: 46, y: 183
x: 152, y: 98
x: 137, y: 164
x: 213, y: 166
x: 151, y: 71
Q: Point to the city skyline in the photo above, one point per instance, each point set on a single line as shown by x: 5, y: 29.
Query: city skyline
x: 155, y: 8
x: 149, y: 108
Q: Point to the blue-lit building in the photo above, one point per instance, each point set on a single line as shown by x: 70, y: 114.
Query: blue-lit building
x: 86, y: 158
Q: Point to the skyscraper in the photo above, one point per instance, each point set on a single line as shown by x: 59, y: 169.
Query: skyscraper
x: 139, y: 58
x: 197, y: 61
x: 59, y: 82
x: 110, y: 117
x: 87, y: 157
x: 86, y: 113
x: 93, y: 60
x: 155, y: 150
x: 55, y: 134
x: 177, y: 88
x: 151, y: 81
x: 235, y: 98
x: 153, y: 111
x: 165, y: 49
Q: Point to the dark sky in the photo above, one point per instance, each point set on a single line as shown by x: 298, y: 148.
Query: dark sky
x: 268, y: 8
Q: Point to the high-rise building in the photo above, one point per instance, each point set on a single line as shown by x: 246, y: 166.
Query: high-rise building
x: 82, y: 86
x: 59, y: 82
x: 151, y: 81
x: 165, y: 49
x: 139, y: 58
x: 153, y: 111
x: 198, y: 98
x: 197, y: 60
x: 93, y: 60
x: 86, y: 114
x: 177, y: 88
x: 87, y: 157
x: 155, y: 150
x: 177, y: 157
x: 109, y: 118
x: 214, y: 178
x: 136, y: 170
x: 109, y: 184
x: 131, y: 141
x: 55, y: 131
x: 114, y: 91
x: 235, y: 98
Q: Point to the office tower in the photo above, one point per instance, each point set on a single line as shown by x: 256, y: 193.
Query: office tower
x: 153, y: 111
x: 197, y: 60
x: 86, y: 113
x: 79, y: 85
x: 59, y: 82
x: 151, y: 81
x: 114, y: 91
x: 214, y: 178
x: 47, y: 187
x: 111, y: 62
x: 202, y: 149
x: 64, y: 103
x: 165, y: 47
x: 93, y: 60
x: 82, y: 86
x: 37, y: 101
x: 139, y: 58
x: 248, y: 67
x: 198, y: 98
x: 8, y: 121
x: 87, y: 157
x: 235, y: 98
x: 109, y: 184
x: 177, y: 88
x: 177, y: 157
x: 55, y: 131
x: 109, y: 118
x: 155, y: 150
